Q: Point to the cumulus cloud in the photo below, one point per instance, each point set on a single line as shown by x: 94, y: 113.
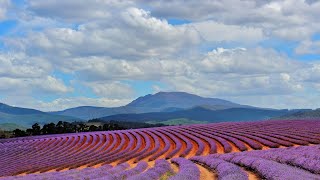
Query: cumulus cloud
x: 132, y: 34
x: 112, y: 89
x: 288, y: 19
x: 20, y: 73
x: 4, y: 4
x: 62, y: 103
x: 19, y: 65
x: 308, y: 47
x: 243, y: 61
x: 76, y: 10
x: 213, y: 31
x: 104, y: 43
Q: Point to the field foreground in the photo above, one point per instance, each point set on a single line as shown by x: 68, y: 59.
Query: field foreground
x: 252, y: 150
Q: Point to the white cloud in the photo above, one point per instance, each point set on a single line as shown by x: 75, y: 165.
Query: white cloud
x: 19, y: 65
x: 287, y: 19
x: 76, y: 10
x: 218, y: 32
x: 243, y: 61
x: 62, y: 103
x: 116, y: 90
x: 4, y: 4
x: 20, y: 73
x: 104, y: 43
x: 130, y: 34
x: 308, y: 47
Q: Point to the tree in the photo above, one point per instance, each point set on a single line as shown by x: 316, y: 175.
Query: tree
x: 59, y: 127
x: 29, y: 132
x: 36, y: 129
x: 49, y: 128
x: 19, y: 133
x: 82, y: 127
x: 93, y: 128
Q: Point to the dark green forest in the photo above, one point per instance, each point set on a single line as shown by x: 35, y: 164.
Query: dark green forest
x: 75, y: 127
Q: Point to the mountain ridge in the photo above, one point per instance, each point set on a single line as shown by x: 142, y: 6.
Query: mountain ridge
x: 25, y: 117
x: 157, y: 102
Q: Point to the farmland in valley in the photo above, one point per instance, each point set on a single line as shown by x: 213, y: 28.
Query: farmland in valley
x: 255, y: 150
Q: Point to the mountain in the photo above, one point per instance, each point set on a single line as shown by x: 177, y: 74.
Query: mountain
x: 4, y: 108
x: 163, y: 100
x: 10, y: 116
x: 11, y: 127
x: 302, y: 114
x: 202, y: 114
x: 159, y: 102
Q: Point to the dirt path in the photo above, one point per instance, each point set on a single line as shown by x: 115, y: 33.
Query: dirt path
x: 206, y: 173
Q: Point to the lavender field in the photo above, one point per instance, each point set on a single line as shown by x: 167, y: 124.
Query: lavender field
x: 250, y: 150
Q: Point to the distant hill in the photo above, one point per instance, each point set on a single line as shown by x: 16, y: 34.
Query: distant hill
x: 202, y: 114
x: 159, y: 102
x: 164, y: 100
x: 24, y: 117
x: 11, y: 127
x: 302, y: 114
x: 4, y: 108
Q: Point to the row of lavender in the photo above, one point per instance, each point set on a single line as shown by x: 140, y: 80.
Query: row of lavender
x: 303, y: 163
x: 69, y: 151
x: 283, y: 163
x: 106, y: 172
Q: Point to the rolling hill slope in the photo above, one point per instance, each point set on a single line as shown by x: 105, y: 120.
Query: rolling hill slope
x: 159, y: 102
x: 202, y: 114
x: 302, y: 114
x: 26, y: 117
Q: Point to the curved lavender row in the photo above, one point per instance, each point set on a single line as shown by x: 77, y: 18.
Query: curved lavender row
x: 164, y: 150
x: 13, y: 150
x: 284, y: 138
x: 239, y: 144
x: 177, y: 143
x: 111, y: 142
x: 134, y: 152
x: 160, y: 168
x: 145, y: 153
x: 259, y: 139
x: 119, y: 168
x: 306, y: 157
x: 270, y: 169
x: 275, y: 140
x: 48, y: 165
x: 87, y: 173
x: 290, y: 131
x: 301, y: 136
x: 42, y: 148
x: 244, y: 139
x: 84, y: 153
x: 198, y: 141
x: 21, y: 165
x: 224, y: 169
x: 118, y: 145
x: 103, y: 172
x: 187, y: 169
x: 140, y: 167
x: 223, y: 142
x: 212, y: 144
x: 120, y: 151
x: 144, y: 150
x: 61, y: 155
x: 184, y: 139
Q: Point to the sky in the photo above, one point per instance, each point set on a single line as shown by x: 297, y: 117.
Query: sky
x: 61, y: 54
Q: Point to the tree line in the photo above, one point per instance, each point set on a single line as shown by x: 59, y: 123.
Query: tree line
x: 65, y: 127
